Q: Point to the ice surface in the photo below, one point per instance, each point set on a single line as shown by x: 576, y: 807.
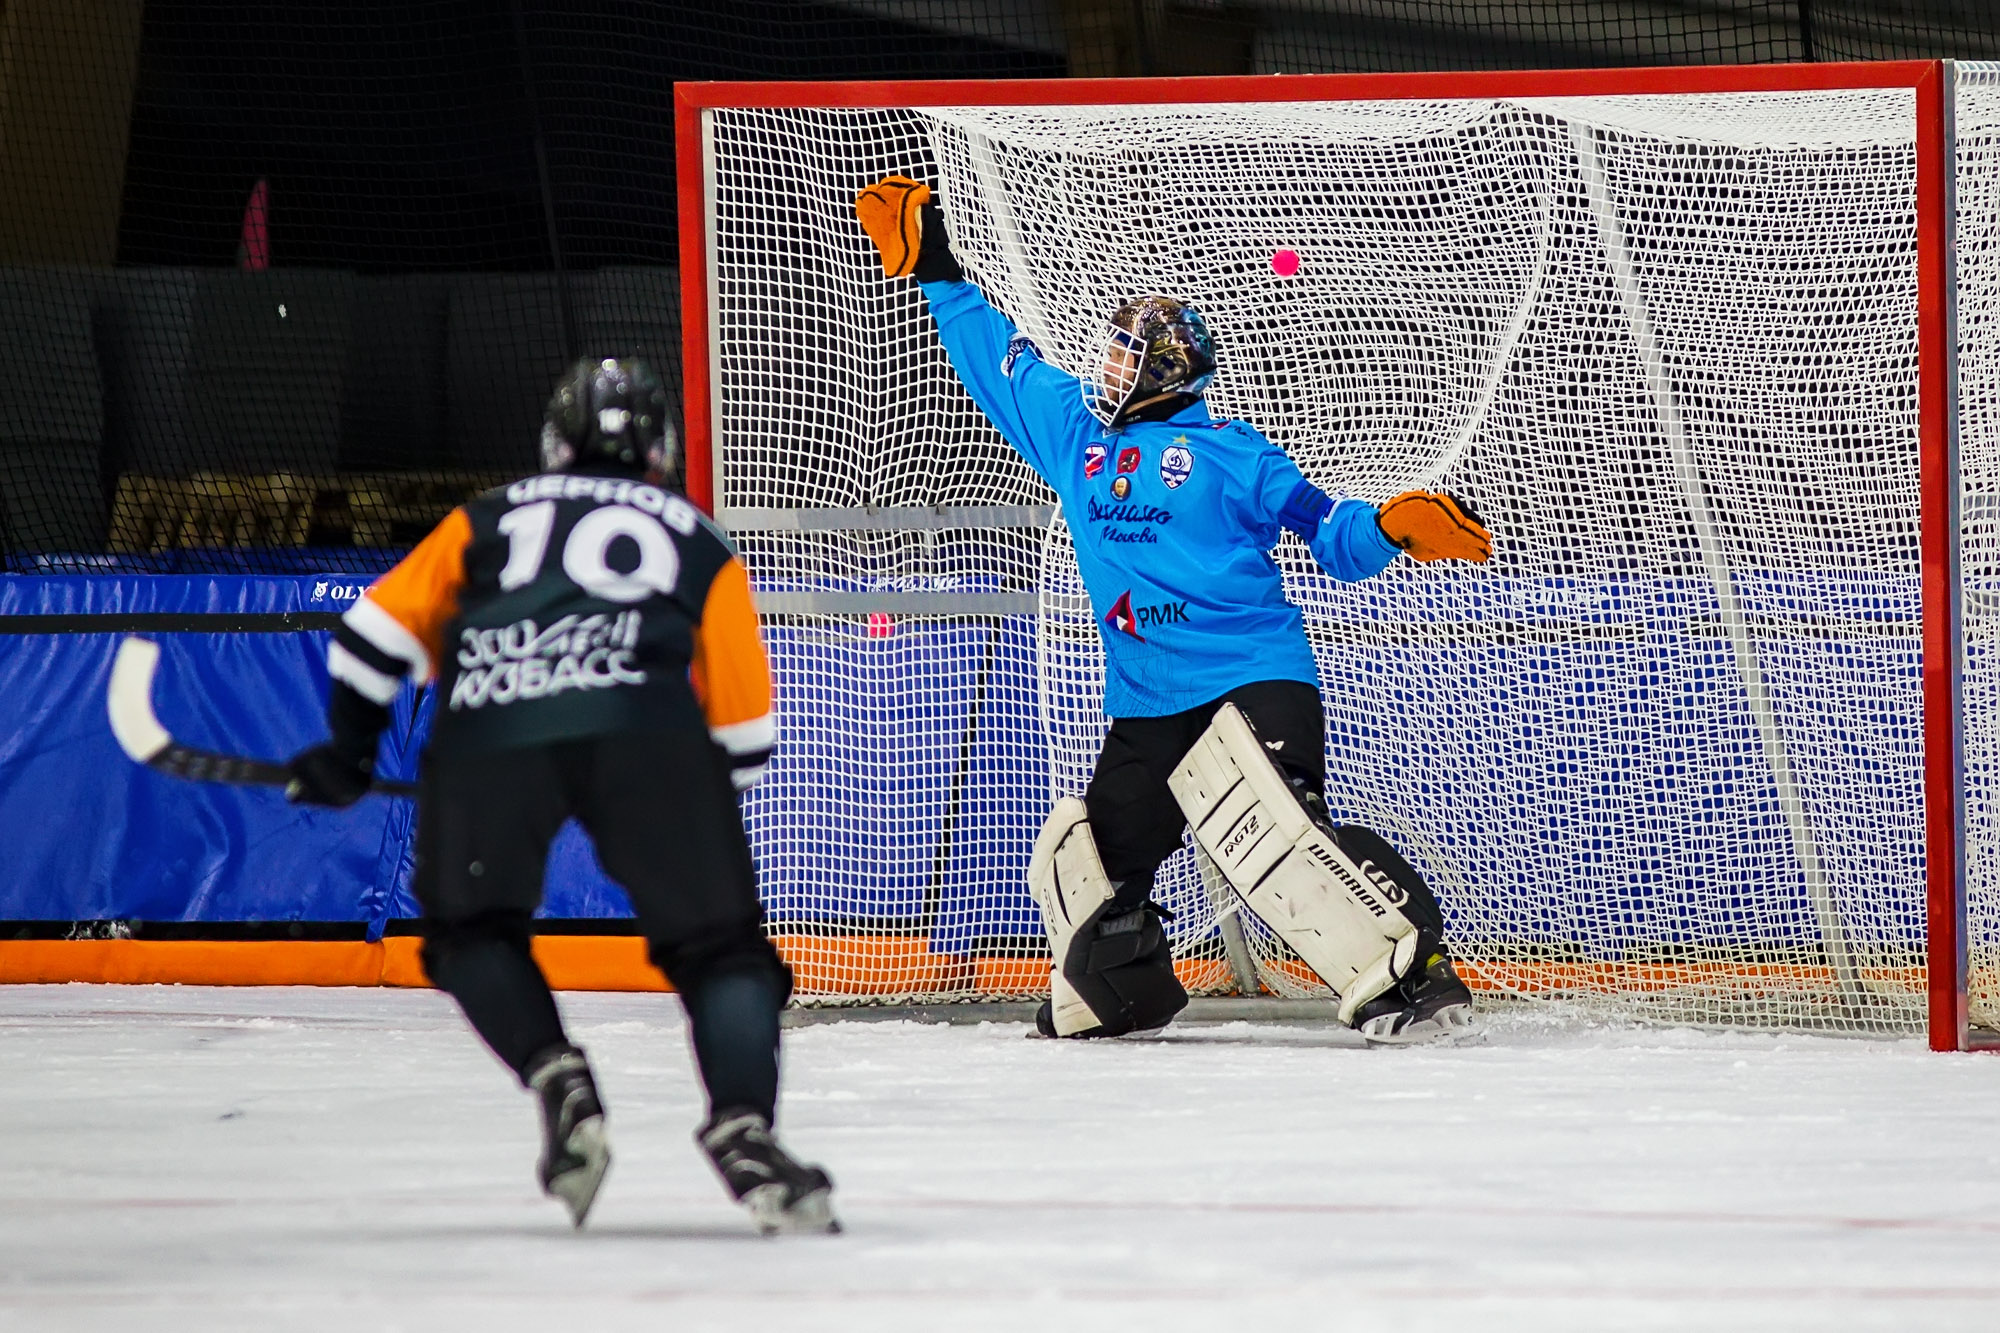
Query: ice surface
x: 184, y: 1158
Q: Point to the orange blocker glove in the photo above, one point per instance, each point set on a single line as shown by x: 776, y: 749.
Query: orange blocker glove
x: 1430, y: 525
x: 904, y: 221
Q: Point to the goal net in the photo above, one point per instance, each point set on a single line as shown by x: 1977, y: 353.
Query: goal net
x: 1664, y: 755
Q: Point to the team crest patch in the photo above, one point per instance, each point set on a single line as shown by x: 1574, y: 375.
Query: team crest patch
x: 1121, y: 487
x: 1128, y: 458
x: 1175, y: 464
x: 1016, y: 345
x: 1093, y: 460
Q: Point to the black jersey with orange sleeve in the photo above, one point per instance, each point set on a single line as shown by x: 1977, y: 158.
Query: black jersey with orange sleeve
x: 567, y: 606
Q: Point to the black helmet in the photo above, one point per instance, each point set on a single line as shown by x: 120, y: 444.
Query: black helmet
x: 610, y: 413
x: 1159, y: 352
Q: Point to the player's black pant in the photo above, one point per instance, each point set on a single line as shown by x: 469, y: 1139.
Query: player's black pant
x: 663, y: 817
x: 1133, y: 814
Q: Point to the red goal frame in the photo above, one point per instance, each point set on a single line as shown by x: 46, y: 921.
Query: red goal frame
x: 1936, y: 339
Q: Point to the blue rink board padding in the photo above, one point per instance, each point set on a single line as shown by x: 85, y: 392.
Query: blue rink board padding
x: 911, y: 775
x: 92, y: 836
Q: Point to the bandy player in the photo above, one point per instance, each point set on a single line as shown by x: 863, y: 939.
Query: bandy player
x: 1210, y: 684
x: 597, y: 656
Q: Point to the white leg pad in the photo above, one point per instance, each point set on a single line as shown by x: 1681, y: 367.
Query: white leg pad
x: 1068, y: 883
x: 1286, y: 868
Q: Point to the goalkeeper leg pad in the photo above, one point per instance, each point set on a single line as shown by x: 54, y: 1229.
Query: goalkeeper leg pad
x: 1340, y: 912
x: 1114, y: 969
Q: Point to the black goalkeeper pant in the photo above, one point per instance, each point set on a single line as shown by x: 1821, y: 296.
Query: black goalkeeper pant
x: 663, y: 817
x: 1133, y: 814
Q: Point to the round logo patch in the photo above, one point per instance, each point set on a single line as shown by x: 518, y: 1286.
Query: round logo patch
x: 1175, y: 464
x: 1120, y: 487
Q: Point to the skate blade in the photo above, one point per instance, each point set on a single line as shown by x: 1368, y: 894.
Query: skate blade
x: 577, y: 1188
x: 1452, y: 1025
x: 809, y: 1216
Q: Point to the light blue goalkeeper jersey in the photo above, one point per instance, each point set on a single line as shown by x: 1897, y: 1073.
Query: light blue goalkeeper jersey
x: 1173, y: 522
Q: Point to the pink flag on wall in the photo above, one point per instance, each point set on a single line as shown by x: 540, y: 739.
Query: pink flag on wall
x: 253, y: 249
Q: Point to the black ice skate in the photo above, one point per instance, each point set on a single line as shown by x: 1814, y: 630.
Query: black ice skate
x: 575, y: 1149
x: 1428, y: 1005
x: 779, y: 1193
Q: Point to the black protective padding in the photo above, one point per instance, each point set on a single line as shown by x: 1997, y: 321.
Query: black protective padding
x: 1122, y: 966
x: 634, y: 312
x: 51, y: 391
x: 51, y: 497
x: 503, y: 353
x: 1160, y: 409
x: 1420, y: 905
x: 266, y: 370
x: 144, y: 327
x: 392, y: 415
x: 52, y: 494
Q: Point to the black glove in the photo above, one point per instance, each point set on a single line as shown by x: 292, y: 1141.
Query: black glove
x: 336, y: 772
x: 935, y: 261
x: 328, y: 774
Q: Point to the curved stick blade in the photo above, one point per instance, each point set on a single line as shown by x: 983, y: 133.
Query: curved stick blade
x: 130, y: 700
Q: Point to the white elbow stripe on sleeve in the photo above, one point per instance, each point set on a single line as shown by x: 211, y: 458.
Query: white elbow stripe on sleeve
x: 749, y: 747
x: 390, y: 635
x: 744, y: 739
x: 375, y: 686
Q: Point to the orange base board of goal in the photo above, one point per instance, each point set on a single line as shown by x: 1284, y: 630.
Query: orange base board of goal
x: 572, y: 962
x: 826, y: 965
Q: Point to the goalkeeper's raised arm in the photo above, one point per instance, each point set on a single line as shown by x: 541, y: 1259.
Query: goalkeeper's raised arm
x: 1174, y: 513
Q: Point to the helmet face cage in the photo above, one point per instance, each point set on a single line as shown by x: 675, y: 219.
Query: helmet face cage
x: 1156, y: 346
x: 610, y: 411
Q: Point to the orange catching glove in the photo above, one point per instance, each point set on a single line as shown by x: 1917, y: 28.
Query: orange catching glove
x: 1430, y: 525
x: 892, y: 213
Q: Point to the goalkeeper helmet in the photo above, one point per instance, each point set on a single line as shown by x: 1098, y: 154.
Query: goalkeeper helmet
x: 1159, y: 353
x: 610, y: 413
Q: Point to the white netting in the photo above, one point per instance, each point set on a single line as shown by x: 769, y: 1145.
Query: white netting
x: 1978, y: 196
x: 1663, y: 752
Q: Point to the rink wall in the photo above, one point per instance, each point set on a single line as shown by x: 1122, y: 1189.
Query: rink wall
x: 102, y: 846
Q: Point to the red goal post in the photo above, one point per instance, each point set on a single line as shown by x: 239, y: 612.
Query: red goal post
x: 1943, y: 772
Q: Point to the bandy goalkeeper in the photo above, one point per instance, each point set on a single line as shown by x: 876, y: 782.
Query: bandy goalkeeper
x: 1210, y: 684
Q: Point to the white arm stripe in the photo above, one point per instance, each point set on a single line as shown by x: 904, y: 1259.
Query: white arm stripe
x: 373, y: 685
x: 372, y: 623
x: 746, y: 778
x: 759, y: 733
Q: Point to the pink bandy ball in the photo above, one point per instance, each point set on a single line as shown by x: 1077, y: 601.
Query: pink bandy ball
x: 879, y: 625
x: 1285, y: 263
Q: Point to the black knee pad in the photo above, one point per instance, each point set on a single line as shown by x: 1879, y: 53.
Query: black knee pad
x: 1122, y: 966
x: 690, y: 963
x: 1131, y: 894
x: 1308, y: 786
x: 444, y: 940
x: 1417, y: 901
